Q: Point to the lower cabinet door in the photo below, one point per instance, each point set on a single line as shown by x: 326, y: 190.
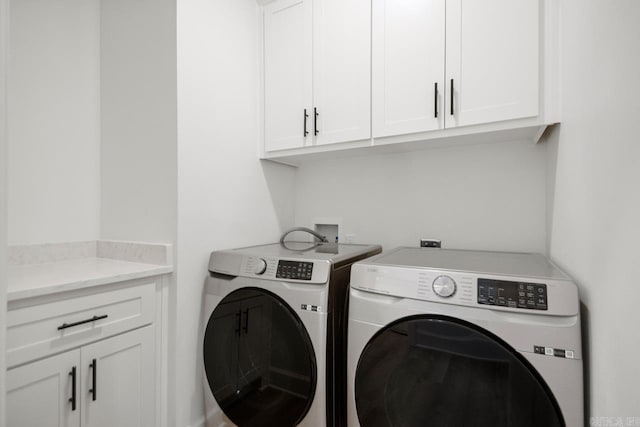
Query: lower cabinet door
x: 45, y: 393
x: 118, y: 381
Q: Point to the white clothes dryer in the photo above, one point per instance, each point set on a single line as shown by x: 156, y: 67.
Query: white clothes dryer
x: 463, y: 338
x: 273, y: 345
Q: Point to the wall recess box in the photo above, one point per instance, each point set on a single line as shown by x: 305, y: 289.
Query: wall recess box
x: 328, y: 227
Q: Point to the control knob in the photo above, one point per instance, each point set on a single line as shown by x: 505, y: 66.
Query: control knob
x: 444, y: 286
x: 260, y: 266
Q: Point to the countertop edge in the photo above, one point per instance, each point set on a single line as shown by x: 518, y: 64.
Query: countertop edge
x: 20, y: 294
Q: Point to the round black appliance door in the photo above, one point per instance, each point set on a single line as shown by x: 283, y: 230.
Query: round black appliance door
x: 425, y: 371
x: 259, y: 360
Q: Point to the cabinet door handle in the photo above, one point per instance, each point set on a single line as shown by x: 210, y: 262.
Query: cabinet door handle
x: 94, y: 384
x: 245, y: 329
x: 72, y: 399
x: 435, y: 100
x: 238, y: 321
x: 452, y: 97
x: 306, y: 116
x: 82, y: 322
x: 315, y: 121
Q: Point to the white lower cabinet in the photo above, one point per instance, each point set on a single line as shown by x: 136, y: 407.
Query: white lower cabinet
x: 104, y: 384
x: 88, y: 358
x: 41, y: 393
x: 118, y: 381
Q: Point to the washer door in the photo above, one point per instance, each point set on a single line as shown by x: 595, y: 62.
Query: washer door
x: 424, y: 371
x: 259, y: 360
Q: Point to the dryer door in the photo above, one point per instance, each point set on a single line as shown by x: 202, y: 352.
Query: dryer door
x: 427, y: 371
x: 259, y: 360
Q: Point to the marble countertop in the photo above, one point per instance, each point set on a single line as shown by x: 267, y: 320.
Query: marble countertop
x: 33, y: 280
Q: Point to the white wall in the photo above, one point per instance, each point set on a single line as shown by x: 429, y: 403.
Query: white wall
x: 227, y: 197
x: 595, y: 213
x: 4, y: 20
x: 138, y: 112
x: 471, y: 197
x: 54, y: 121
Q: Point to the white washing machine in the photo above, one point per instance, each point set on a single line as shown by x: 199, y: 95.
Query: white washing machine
x: 463, y: 338
x: 274, y: 346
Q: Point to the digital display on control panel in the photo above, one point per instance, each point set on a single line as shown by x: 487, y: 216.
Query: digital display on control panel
x: 532, y: 296
x: 296, y: 270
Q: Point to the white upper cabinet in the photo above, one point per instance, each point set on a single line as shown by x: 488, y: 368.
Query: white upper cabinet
x: 287, y: 74
x: 342, y: 70
x: 448, y: 63
x: 317, y: 72
x: 493, y: 59
x: 402, y: 72
x: 408, y: 66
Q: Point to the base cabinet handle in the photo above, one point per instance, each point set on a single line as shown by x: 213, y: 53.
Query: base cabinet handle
x: 82, y: 322
x: 72, y: 399
x: 94, y: 384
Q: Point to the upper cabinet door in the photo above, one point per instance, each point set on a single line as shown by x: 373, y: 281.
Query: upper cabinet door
x: 493, y: 60
x: 408, y: 66
x: 287, y: 74
x: 342, y: 70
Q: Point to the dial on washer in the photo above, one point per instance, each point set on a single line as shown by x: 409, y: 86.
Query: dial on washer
x: 444, y: 286
x: 260, y: 266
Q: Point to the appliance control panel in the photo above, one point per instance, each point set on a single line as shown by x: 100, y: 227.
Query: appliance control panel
x: 297, y: 270
x: 505, y: 293
x: 494, y: 292
x: 283, y: 269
